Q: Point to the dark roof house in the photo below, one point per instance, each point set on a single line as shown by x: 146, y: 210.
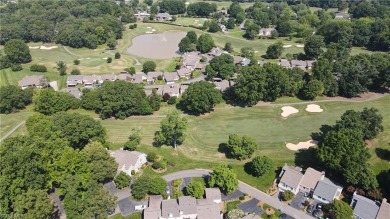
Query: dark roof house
x: 38, y: 81
x: 364, y: 208
x: 326, y: 191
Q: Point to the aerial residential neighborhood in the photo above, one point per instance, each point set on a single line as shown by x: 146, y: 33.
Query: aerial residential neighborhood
x: 195, y: 109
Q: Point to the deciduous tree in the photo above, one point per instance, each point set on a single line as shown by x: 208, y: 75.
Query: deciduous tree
x: 122, y: 180
x: 341, y: 209
x: 172, y: 130
x: 17, y: 51
x: 313, y: 46
x: 195, y: 189
x: 148, y: 66
x: 224, y: 178
x: 205, y: 43
x: 259, y: 166
x: 241, y: 147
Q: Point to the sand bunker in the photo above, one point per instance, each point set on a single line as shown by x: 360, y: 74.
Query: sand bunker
x: 286, y: 46
x: 48, y: 48
x: 105, y: 58
x: 314, y: 108
x: 301, y: 145
x: 148, y: 32
x: 153, y: 30
x: 288, y: 110
x: 33, y: 47
x: 300, y: 45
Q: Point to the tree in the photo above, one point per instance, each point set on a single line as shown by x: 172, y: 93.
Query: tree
x: 312, y: 89
x: 171, y: 130
x: 288, y: 195
x: 200, y: 97
x: 322, y: 71
x: 17, y: 51
x: 172, y: 6
x: 13, y: 98
x: 122, y: 180
x: 274, y: 51
x: 109, y: 60
x: 117, y: 99
x: 259, y: 166
x: 33, y: 204
x: 205, y: 43
x: 202, y: 9
x: 340, y: 209
x: 102, y: 165
x: 222, y: 66
x: 48, y: 101
x: 152, y: 157
x: 130, y: 70
x: 313, y: 46
x: 213, y: 27
x: 148, y: 2
x: 155, y: 100
x: 251, y: 30
x: 247, y: 52
x: 231, y: 23
x: 61, y: 67
x: 241, y: 147
x: 148, y: 185
x: 75, y: 71
x: 224, y: 178
x: 117, y: 55
x: 191, y: 35
x: 228, y: 47
x: 185, y: 45
x: 38, y: 68
x: 111, y: 42
x: 76, y: 62
x: 195, y: 189
x: 148, y: 66
x: 134, y: 140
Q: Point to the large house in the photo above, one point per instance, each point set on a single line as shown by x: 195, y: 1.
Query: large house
x: 326, y: 191
x: 172, y: 90
x: 153, y: 76
x: 184, y: 207
x: 171, y: 77
x: 220, y: 84
x: 184, y: 72
x: 364, y: 208
x: 341, y: 15
x: 290, y: 178
x: 163, y: 17
x: 266, y: 32
x: 310, y: 179
x: 38, y: 81
x: 190, y: 60
x: 129, y: 160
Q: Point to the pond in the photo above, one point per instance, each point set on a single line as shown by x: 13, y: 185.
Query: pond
x: 157, y: 46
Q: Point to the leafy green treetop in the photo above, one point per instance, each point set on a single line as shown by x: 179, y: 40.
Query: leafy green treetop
x: 172, y: 130
x: 241, y: 147
x: 195, y: 189
x: 224, y: 178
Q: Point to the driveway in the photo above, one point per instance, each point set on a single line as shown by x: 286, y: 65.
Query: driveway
x: 127, y: 206
x: 244, y: 188
x: 251, y: 207
x: 298, y: 201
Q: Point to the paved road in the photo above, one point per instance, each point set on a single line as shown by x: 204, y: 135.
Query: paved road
x: 245, y: 188
x: 11, y: 131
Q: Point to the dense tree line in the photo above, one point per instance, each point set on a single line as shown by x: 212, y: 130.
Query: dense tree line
x: 153, y: 185
x: 201, y: 9
x: 13, y: 98
x: 221, y: 66
x: 47, y: 101
x: 342, y: 149
x: 172, y: 6
x: 117, y: 99
x: 76, y: 174
x: 191, y: 42
x: 76, y: 24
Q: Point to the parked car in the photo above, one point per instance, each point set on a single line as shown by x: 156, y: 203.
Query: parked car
x: 310, y: 208
x: 139, y: 207
x: 168, y: 190
x: 316, y: 213
x: 320, y: 206
x: 283, y: 216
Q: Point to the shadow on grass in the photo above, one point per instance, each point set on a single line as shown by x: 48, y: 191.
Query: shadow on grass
x: 307, y: 158
x: 383, y: 153
x: 318, y: 136
x: 222, y: 148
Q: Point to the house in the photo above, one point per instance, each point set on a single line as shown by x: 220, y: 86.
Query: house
x: 153, y: 211
x: 215, y: 51
x: 141, y: 15
x: 245, y: 62
x: 364, y: 208
x: 266, y: 32
x: 290, y: 178
x: 107, y: 77
x: 38, y: 81
x: 238, y: 59
x: 172, y: 90
x: 220, y: 84
x: 183, y: 88
x: 187, y: 207
x: 326, y: 191
x: 74, y: 91
x: 284, y: 63
x: 310, y: 179
x: 299, y: 64
x: 139, y: 77
x: 251, y: 216
x: 89, y: 80
x: 223, y: 11
x: 190, y: 60
x: 153, y: 76
x: 222, y: 27
x: 74, y: 80
x: 124, y: 77
x: 184, y: 72
x: 208, y: 210
x: 384, y: 210
x: 129, y: 160
x: 309, y: 64
x: 213, y: 194
x: 163, y: 17
x: 171, y: 77
x: 341, y: 15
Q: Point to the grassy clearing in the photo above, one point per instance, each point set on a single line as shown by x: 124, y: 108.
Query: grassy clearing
x: 9, y: 121
x: 136, y: 215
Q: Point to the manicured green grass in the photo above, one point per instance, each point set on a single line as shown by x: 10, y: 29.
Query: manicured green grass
x: 9, y: 121
x: 187, y: 21
x: 232, y: 205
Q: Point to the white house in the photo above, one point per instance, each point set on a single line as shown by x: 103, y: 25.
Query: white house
x: 326, y: 191
x: 129, y: 160
x: 290, y: 178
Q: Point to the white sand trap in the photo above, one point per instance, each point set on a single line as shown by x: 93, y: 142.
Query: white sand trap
x: 301, y: 145
x: 148, y: 27
x: 256, y: 51
x: 105, y: 58
x: 300, y: 45
x: 48, y: 48
x: 148, y: 32
x: 153, y: 30
x: 286, y: 46
x: 88, y: 58
x: 33, y: 47
x: 288, y: 110
x: 314, y: 108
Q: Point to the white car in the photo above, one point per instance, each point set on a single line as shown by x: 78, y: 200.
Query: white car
x: 139, y: 207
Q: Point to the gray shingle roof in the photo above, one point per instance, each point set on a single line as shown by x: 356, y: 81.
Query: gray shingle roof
x: 384, y: 210
x: 363, y: 207
x: 170, y: 208
x: 213, y: 193
x: 326, y: 189
x: 291, y: 176
x: 33, y: 80
x: 187, y: 204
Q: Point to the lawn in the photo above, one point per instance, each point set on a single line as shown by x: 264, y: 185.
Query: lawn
x: 136, y: 215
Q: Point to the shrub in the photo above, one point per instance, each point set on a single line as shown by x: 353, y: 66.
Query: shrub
x: 172, y: 100
x: 151, y: 157
x: 130, y: 146
x: 122, y: 180
x: 16, y: 67
x: 117, y: 55
x: 38, y: 68
x: 171, y: 163
x: 132, y: 172
x: 109, y: 60
x: 242, y: 197
x: 75, y: 72
x: 159, y: 165
x: 76, y: 62
x: 288, y: 195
